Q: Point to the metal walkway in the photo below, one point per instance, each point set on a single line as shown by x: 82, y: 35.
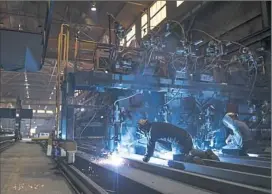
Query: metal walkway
x: 26, y: 170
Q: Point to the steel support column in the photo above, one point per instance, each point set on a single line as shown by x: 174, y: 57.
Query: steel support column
x: 18, y: 120
x: 63, y: 117
x: 265, y: 15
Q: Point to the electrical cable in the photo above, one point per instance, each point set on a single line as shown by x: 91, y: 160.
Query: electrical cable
x: 182, y: 29
x: 87, y: 124
x: 148, y: 60
x: 126, y: 98
x: 254, y: 81
x: 217, y: 40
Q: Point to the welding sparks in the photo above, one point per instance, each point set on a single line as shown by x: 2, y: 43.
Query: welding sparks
x: 114, y: 160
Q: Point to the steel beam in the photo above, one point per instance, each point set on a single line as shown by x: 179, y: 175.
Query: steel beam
x: 257, y: 163
x: 135, y: 181
x: 201, y: 181
x: 226, y: 174
x: 246, y: 158
x: 87, y: 80
x: 239, y: 167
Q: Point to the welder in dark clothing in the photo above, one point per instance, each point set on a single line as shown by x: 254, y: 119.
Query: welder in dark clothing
x: 180, y: 139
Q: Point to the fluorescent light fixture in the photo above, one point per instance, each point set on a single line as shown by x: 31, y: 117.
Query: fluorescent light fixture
x: 40, y: 111
x: 93, y: 8
x: 17, y: 115
x: 49, y: 112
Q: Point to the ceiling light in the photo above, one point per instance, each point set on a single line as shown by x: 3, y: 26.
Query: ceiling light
x: 93, y: 7
x: 52, y: 93
x: 50, y: 98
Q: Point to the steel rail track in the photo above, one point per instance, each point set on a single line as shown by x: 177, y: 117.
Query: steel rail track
x: 6, y: 144
x: 79, y: 182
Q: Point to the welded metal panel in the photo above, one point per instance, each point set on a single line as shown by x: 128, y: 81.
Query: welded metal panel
x: 20, y: 51
x: 7, y: 113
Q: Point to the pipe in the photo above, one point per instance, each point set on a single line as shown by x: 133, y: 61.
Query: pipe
x: 109, y: 18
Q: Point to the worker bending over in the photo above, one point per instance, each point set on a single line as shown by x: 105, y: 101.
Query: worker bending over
x: 241, y: 138
x: 180, y: 139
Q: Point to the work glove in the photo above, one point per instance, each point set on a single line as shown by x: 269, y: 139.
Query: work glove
x: 146, y: 159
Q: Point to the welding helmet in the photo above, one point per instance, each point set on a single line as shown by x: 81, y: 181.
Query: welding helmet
x: 142, y: 123
x: 228, y: 120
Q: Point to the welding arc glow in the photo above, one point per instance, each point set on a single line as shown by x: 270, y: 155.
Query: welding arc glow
x: 118, y: 159
x: 114, y: 160
x: 153, y: 160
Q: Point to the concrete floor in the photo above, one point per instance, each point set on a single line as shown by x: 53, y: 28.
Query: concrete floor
x: 26, y: 170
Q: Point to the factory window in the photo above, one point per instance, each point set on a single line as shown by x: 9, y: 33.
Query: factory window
x: 179, y: 3
x: 40, y: 111
x: 49, y: 112
x: 156, y: 7
x: 144, y: 20
x: 131, y: 34
x: 144, y: 28
x: 144, y: 31
x: 157, y: 13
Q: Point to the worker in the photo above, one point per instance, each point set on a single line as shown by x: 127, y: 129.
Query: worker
x: 181, y: 140
x: 241, y: 137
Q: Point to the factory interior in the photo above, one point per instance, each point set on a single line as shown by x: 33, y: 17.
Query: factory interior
x: 129, y: 97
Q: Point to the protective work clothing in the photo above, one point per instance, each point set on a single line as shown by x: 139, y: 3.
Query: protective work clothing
x: 180, y: 140
x: 241, y: 138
